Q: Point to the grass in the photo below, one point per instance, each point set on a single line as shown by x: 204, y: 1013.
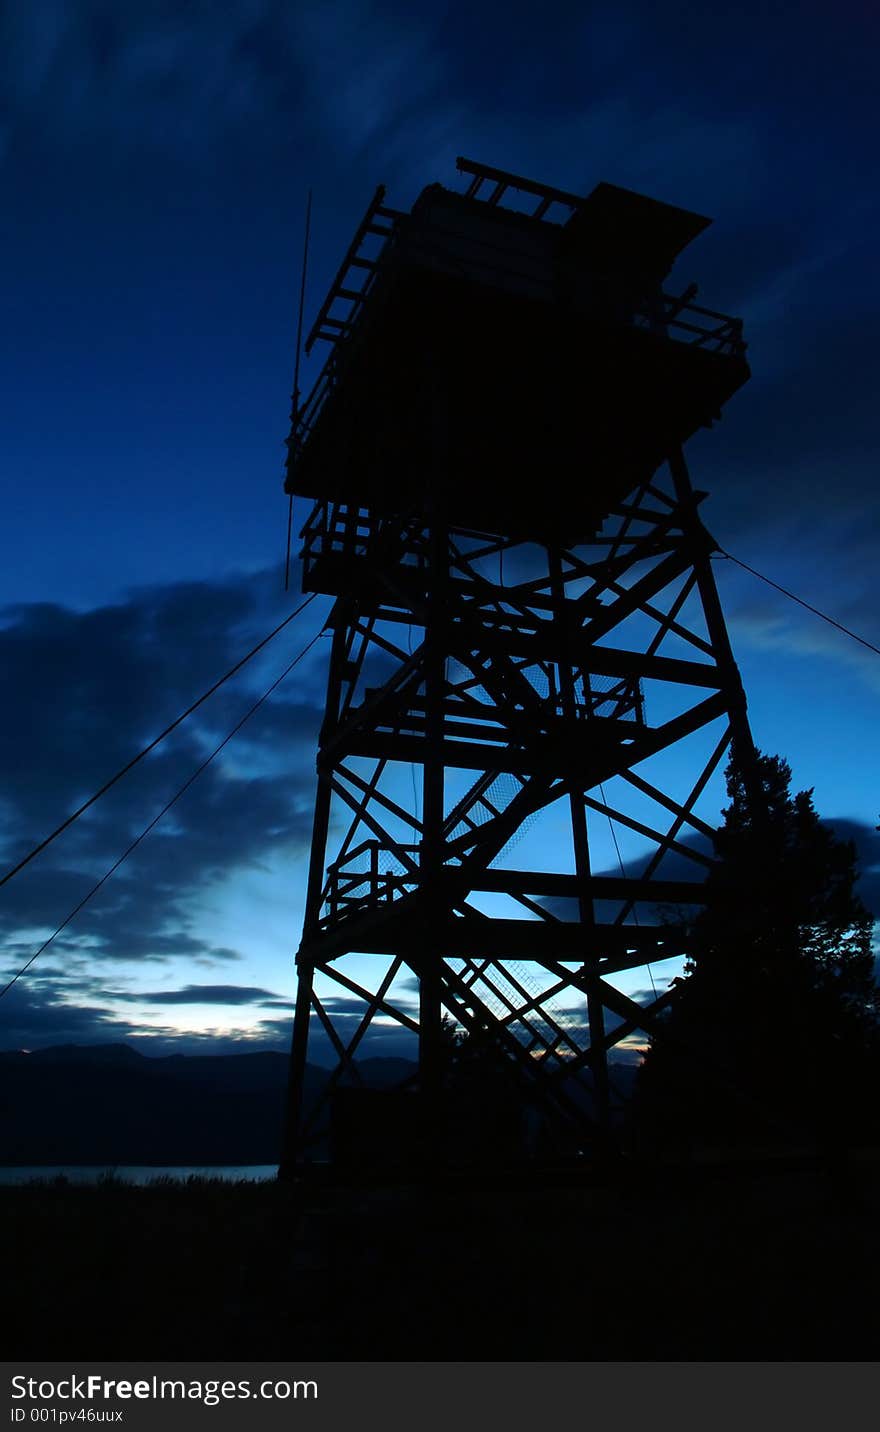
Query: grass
x: 755, y: 1263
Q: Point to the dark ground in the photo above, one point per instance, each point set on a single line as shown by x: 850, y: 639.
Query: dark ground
x: 771, y: 1260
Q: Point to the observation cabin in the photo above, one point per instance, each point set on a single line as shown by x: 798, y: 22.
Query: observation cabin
x: 505, y: 359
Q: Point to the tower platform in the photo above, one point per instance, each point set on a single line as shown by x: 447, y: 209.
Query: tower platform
x: 540, y: 362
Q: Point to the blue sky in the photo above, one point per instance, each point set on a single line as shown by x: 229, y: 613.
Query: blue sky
x: 155, y: 161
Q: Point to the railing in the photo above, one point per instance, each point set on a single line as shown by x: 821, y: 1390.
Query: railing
x: 476, y: 256
x: 338, y: 529
x: 370, y: 875
x: 337, y: 532
x: 721, y: 334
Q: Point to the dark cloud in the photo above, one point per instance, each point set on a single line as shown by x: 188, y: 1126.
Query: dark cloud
x: 380, y: 1041
x: 91, y: 688
x: 252, y: 91
x: 277, y: 1033
x: 48, y: 1011
x: 73, y: 66
x: 37, y: 1014
x: 195, y: 84
x: 348, y: 1008
x: 206, y: 994
x: 677, y: 867
x: 866, y: 840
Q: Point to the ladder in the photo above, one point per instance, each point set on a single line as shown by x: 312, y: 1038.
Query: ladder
x: 351, y: 287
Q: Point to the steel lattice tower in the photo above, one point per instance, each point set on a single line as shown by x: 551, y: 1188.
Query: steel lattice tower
x: 526, y: 629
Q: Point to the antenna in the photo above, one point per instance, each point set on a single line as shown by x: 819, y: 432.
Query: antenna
x: 295, y: 409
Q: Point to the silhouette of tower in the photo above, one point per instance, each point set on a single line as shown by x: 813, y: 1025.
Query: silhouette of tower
x: 530, y: 674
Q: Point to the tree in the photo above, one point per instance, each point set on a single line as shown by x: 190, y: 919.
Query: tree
x: 486, y: 1097
x: 775, y: 1026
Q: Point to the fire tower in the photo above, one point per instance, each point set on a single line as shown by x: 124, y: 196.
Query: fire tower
x: 530, y: 680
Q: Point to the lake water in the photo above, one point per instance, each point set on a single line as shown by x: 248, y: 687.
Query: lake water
x: 137, y: 1173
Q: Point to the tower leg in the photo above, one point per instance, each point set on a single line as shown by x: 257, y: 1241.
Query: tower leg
x: 432, y: 849
x: 290, y: 1148
x: 742, y: 743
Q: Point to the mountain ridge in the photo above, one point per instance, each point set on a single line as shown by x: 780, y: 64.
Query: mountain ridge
x: 111, y: 1104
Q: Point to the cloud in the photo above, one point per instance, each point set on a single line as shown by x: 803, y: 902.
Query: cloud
x: 53, y: 1009
x: 165, y: 76
x: 37, y: 1014
x: 768, y: 620
x: 365, y: 66
x: 192, y: 83
x: 866, y: 840
x: 677, y: 867
x: 347, y: 87
x: 90, y: 689
x: 205, y: 994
